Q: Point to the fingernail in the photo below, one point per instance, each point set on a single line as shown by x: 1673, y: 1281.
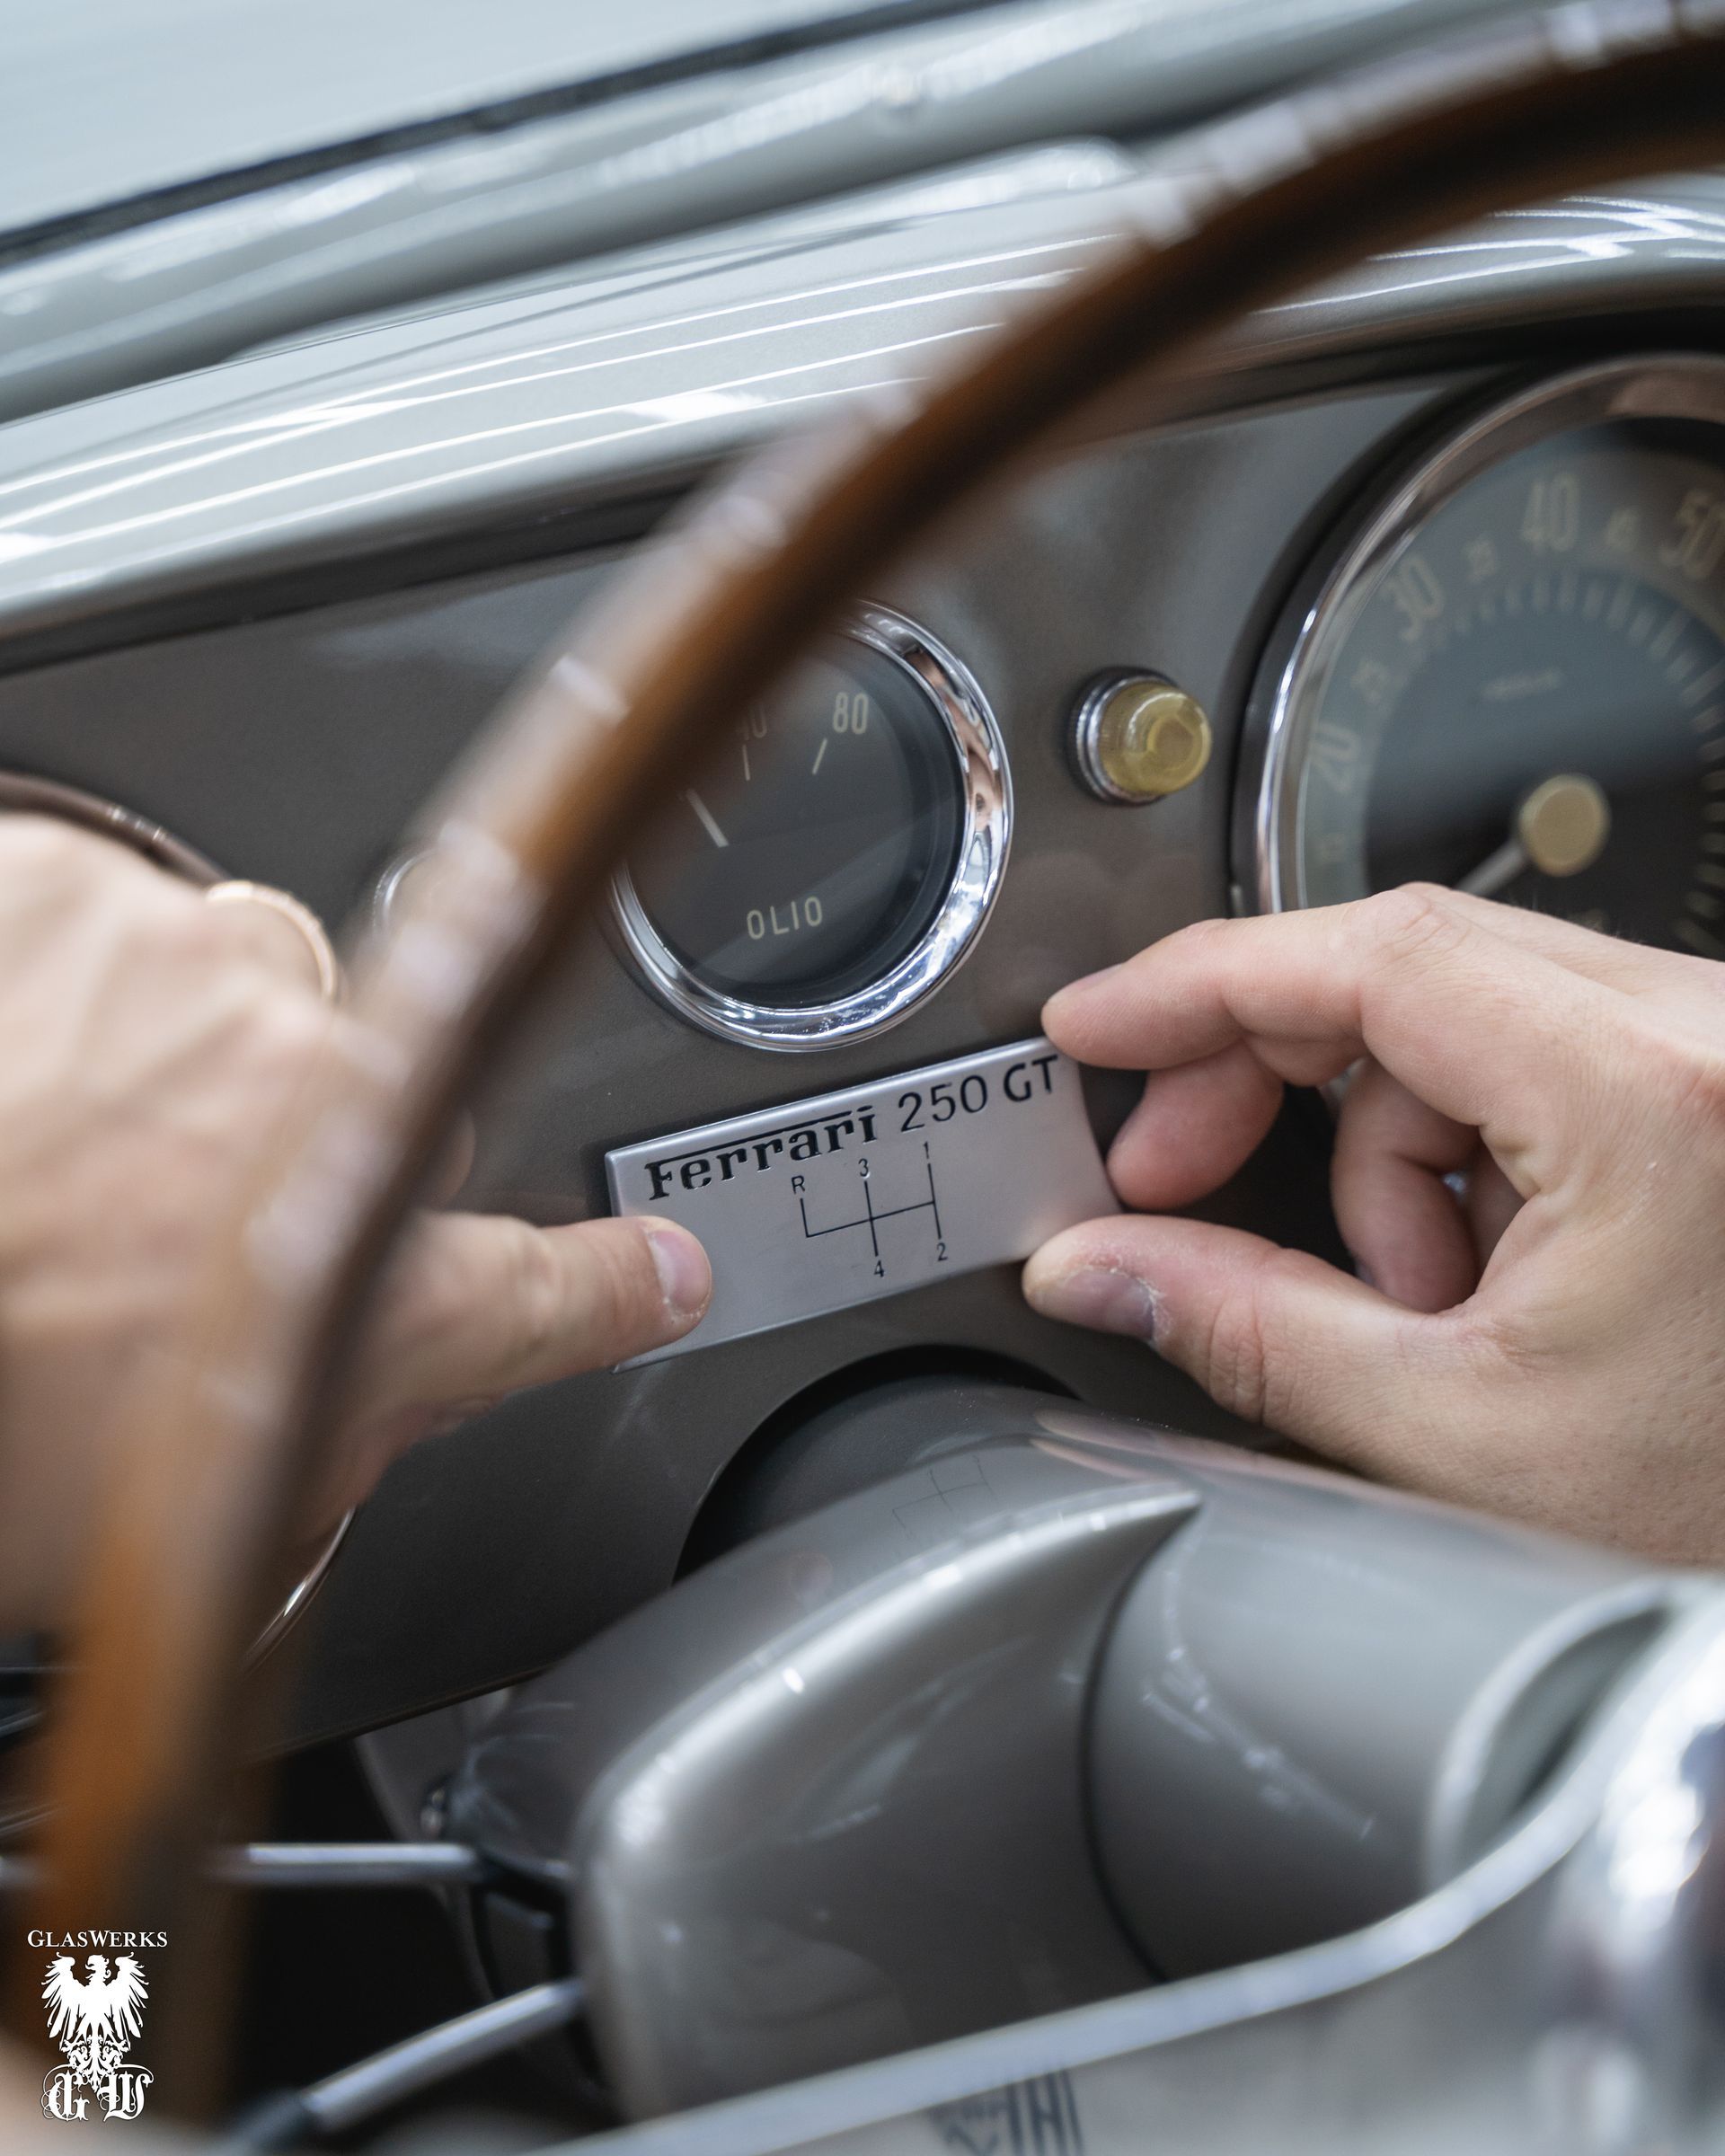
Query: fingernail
x: 1100, y: 1296
x: 685, y: 1276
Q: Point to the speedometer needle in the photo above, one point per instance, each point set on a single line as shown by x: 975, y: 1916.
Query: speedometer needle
x: 1560, y: 829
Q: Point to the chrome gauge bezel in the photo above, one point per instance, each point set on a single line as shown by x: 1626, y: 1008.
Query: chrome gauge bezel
x: 980, y: 752
x: 1302, y: 654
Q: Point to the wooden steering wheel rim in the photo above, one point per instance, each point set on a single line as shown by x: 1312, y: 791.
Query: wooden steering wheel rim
x: 145, y: 1737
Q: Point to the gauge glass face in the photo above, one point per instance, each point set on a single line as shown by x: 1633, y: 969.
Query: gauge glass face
x: 1525, y: 696
x: 813, y: 852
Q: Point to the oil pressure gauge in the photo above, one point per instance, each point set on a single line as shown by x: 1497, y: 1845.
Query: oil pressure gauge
x: 837, y: 856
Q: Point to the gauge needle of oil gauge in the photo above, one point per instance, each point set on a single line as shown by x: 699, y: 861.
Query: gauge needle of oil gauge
x: 709, y: 822
x: 1560, y: 829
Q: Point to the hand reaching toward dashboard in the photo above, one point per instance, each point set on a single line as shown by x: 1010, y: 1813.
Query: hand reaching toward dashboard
x: 153, y: 1042
x: 1551, y: 1343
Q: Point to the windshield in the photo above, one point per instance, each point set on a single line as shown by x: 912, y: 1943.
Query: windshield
x: 235, y: 86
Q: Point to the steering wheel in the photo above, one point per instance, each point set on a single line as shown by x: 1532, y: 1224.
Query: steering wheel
x: 148, y: 1734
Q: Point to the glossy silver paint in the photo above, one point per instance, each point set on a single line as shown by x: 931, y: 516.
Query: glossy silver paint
x: 638, y: 374
x: 928, y: 1731
x: 1318, y: 1705
x: 827, y: 1799
x: 718, y: 144
x: 1560, y: 1998
x: 817, y: 1802
x: 985, y: 841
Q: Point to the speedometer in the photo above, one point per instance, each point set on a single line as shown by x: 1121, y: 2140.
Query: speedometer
x: 1513, y: 681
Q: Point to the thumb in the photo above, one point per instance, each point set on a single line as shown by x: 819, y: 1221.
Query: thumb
x: 1274, y: 1335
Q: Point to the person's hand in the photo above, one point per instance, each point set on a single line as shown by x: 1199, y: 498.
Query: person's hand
x: 152, y: 1043
x: 1552, y: 1344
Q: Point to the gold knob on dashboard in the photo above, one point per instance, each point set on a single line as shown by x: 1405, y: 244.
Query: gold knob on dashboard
x: 1138, y: 737
x: 1564, y: 824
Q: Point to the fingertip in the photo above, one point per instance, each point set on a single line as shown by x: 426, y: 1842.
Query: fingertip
x: 1394, y: 1204
x: 685, y: 1275
x: 1193, y: 1127
x: 1064, y: 1008
x: 482, y: 1305
x: 1075, y: 1279
x: 1042, y: 1263
x: 1059, y: 1252
x: 1054, y: 1018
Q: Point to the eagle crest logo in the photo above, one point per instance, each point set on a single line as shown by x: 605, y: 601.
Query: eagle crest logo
x: 95, y: 2019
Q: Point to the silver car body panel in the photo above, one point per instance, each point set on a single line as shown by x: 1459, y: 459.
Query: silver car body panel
x: 228, y: 268
x: 1550, y: 2000
x: 633, y: 380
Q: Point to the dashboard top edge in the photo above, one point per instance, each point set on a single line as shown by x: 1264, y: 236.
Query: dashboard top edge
x: 390, y: 440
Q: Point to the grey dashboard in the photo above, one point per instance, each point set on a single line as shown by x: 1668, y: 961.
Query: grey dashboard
x: 268, y: 607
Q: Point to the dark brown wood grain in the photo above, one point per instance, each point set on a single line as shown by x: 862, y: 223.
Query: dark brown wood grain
x: 145, y: 1736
